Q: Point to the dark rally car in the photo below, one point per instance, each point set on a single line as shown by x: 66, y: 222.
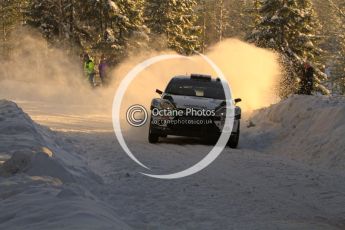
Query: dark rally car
x: 192, y: 106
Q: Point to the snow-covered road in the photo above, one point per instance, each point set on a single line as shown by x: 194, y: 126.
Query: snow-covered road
x: 243, y: 189
x: 266, y: 184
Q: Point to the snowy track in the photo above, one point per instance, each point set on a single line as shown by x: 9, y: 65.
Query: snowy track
x: 265, y: 184
x: 243, y: 189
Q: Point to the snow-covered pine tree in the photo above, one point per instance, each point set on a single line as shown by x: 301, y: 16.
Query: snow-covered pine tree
x: 176, y: 20
x: 256, y: 11
x: 206, y: 20
x: 291, y: 28
x: 91, y: 21
x: 133, y: 31
x: 202, y: 21
x: 241, y: 22
x: 222, y: 19
x: 54, y: 19
x: 333, y: 24
x: 253, y: 11
x: 342, y: 44
x: 43, y: 15
x: 123, y: 28
x: 336, y: 38
x: 11, y: 15
x: 112, y: 27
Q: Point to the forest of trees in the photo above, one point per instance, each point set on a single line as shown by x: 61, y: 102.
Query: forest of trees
x: 298, y: 30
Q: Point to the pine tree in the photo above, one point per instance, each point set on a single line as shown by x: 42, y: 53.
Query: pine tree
x: 291, y: 27
x: 240, y: 20
x: 332, y: 18
x: 52, y: 18
x: 214, y: 19
x: 336, y: 55
x: 11, y: 15
x: 256, y: 11
x: 115, y: 28
x: 176, y: 20
x: 221, y: 19
x: 202, y: 20
x: 207, y: 21
x: 342, y: 44
x: 111, y: 27
x: 133, y: 31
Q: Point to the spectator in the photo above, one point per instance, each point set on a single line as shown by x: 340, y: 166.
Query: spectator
x: 103, y: 68
x: 307, y: 81
x: 89, y: 68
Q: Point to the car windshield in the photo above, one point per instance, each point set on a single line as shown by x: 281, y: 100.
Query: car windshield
x: 196, y: 88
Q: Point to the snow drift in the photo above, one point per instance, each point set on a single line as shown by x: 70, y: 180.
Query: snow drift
x: 42, y: 186
x: 32, y: 150
x: 307, y: 128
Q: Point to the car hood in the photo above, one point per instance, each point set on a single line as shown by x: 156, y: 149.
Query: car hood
x: 184, y: 102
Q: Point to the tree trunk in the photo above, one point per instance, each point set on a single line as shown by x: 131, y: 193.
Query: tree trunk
x: 101, y: 13
x: 60, y: 21
x: 221, y: 20
x: 203, y: 44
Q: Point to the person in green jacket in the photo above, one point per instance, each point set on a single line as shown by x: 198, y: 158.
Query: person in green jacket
x: 89, y: 68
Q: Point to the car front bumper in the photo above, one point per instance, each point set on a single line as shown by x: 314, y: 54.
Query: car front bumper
x: 189, y: 127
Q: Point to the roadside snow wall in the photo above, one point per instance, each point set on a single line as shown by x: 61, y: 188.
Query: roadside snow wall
x: 307, y: 128
x: 42, y: 186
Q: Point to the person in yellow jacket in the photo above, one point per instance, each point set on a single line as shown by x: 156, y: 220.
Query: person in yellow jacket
x: 89, y: 68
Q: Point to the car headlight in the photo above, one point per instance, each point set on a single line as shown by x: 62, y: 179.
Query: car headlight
x: 164, y: 104
x: 221, y: 112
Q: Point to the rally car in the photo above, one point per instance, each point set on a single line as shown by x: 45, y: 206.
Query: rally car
x: 192, y: 106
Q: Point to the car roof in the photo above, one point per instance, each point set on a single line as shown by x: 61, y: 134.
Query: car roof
x: 186, y: 77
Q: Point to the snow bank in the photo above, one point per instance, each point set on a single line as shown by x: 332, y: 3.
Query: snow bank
x: 42, y: 186
x: 32, y: 149
x: 307, y: 128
